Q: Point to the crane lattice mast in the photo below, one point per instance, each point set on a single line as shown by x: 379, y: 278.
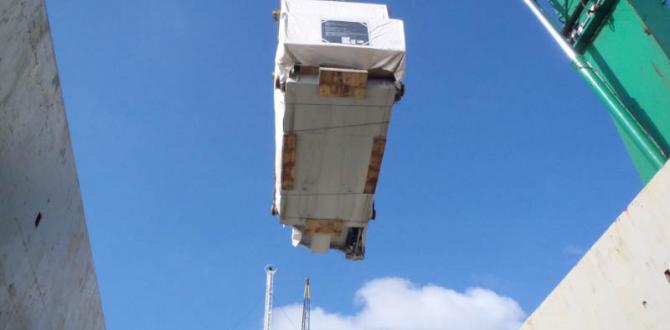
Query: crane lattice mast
x: 305, y: 306
x: 269, y: 282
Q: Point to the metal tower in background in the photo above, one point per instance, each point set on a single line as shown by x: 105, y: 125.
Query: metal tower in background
x: 269, y: 281
x: 305, y: 306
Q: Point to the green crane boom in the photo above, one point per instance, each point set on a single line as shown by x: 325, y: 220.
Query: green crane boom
x: 622, y: 49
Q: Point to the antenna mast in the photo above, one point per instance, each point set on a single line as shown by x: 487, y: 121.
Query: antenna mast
x: 269, y: 281
x: 305, y: 306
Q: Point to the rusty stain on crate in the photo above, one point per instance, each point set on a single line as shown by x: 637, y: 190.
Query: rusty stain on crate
x: 334, y: 227
x: 288, y: 161
x: 374, y: 168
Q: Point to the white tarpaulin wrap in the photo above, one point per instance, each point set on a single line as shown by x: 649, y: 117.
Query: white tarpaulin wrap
x: 339, y: 34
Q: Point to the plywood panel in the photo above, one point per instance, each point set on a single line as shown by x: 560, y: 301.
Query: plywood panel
x: 343, y: 82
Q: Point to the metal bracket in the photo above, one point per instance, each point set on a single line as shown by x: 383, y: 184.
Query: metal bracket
x: 585, y: 33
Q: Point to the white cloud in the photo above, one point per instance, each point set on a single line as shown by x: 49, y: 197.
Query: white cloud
x: 397, y: 304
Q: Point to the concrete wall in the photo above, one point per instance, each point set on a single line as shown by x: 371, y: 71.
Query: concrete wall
x: 47, y: 277
x: 623, y: 282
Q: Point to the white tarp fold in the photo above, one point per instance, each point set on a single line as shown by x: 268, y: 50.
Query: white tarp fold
x: 339, y: 34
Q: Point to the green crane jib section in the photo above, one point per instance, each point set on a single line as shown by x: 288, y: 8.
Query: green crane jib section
x: 622, y: 48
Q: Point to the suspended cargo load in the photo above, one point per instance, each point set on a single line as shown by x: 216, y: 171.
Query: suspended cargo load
x: 339, y: 67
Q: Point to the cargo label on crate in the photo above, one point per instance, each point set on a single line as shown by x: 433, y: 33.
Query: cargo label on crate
x: 346, y: 33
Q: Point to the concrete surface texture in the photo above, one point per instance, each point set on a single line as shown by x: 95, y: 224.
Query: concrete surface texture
x: 47, y: 276
x: 623, y: 282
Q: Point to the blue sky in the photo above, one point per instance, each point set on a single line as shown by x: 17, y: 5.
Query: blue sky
x: 502, y: 166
